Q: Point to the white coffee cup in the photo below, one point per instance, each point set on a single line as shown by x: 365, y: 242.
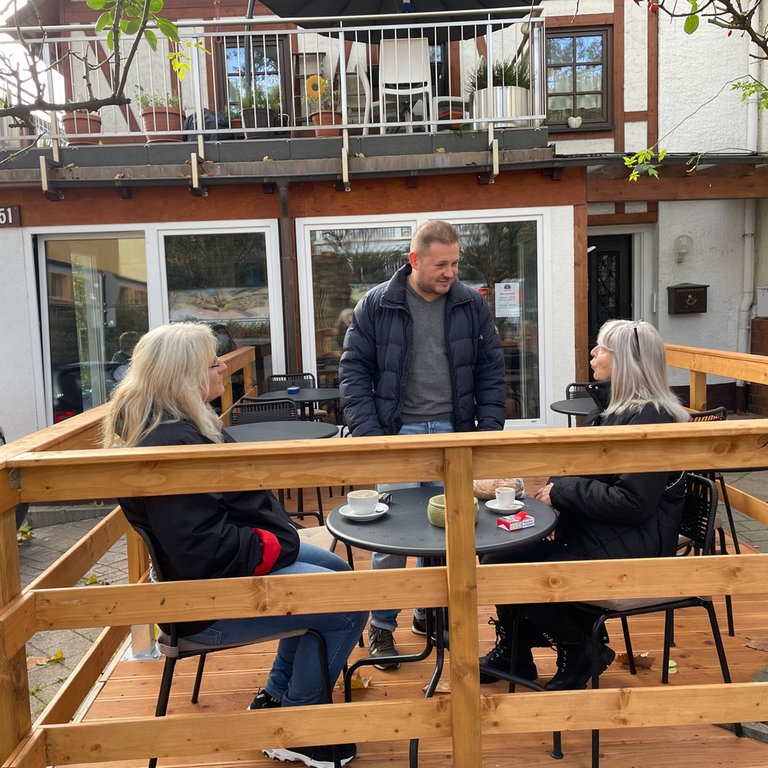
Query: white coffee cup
x: 362, y: 502
x: 505, y: 496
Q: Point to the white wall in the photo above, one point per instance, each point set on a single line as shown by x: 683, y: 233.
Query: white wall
x: 698, y: 111
x: 715, y: 260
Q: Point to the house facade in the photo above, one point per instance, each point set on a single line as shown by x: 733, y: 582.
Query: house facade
x: 277, y: 232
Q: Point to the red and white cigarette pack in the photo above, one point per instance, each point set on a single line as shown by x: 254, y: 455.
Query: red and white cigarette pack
x: 515, y: 522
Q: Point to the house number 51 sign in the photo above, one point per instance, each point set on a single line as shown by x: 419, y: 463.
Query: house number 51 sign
x: 10, y: 216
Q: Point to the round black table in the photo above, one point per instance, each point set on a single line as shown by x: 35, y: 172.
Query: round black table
x: 578, y: 406
x: 263, y: 431
x: 405, y: 530
x: 306, y: 398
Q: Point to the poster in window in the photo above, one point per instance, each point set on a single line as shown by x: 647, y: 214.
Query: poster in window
x: 508, y: 298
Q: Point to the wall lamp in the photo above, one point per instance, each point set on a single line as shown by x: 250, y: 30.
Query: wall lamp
x: 683, y: 246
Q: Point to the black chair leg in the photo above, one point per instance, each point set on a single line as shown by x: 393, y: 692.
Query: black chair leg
x: 628, y: 646
x: 198, y: 677
x: 728, y: 601
x: 710, y: 609
x: 163, y: 695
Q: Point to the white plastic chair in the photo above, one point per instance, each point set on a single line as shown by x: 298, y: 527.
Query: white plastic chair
x: 359, y: 95
x: 404, y: 74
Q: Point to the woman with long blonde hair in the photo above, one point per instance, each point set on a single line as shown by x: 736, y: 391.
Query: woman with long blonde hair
x: 165, y: 400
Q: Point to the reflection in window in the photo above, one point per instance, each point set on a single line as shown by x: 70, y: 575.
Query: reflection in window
x: 96, y: 291
x: 221, y: 279
x: 497, y: 259
x: 578, y: 67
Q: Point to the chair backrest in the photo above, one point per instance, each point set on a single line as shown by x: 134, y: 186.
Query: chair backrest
x: 404, y: 62
x: 155, y: 571
x: 258, y: 412
x: 699, y: 512
x: 280, y: 381
x: 576, y: 389
x: 713, y: 414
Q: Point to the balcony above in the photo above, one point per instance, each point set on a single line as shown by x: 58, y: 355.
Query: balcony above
x: 402, y: 98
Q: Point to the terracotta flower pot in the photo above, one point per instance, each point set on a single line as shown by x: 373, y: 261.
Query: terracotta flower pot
x: 326, y: 117
x: 81, y: 127
x: 162, y: 123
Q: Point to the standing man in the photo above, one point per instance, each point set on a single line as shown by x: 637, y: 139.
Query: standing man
x: 422, y: 355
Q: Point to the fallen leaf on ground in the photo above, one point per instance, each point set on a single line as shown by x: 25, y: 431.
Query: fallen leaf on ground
x: 36, y: 661
x: 642, y: 660
x: 444, y: 686
x: 357, y: 682
x: 758, y: 643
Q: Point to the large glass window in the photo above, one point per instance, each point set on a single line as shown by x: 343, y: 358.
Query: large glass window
x: 222, y: 279
x: 499, y: 259
x: 578, y: 77
x: 97, y: 303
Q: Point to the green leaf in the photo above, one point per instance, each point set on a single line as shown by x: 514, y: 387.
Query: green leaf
x: 104, y: 21
x: 97, y: 5
x: 691, y: 24
x: 155, y: 6
x: 662, y: 154
x: 168, y: 29
x: 151, y: 38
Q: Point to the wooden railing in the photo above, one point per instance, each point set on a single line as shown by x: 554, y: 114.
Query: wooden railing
x: 62, y: 463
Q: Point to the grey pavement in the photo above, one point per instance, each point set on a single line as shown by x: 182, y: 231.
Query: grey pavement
x: 53, y: 655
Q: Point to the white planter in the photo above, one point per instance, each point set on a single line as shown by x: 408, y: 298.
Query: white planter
x: 499, y: 102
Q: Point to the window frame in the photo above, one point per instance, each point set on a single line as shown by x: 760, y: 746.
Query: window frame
x: 606, y: 92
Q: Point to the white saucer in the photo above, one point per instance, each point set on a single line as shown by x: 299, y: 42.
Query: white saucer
x: 381, y: 509
x: 494, y: 505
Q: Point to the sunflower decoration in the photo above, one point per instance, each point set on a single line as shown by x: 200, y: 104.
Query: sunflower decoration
x: 320, y: 95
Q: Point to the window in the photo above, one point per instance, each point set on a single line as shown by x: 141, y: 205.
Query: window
x: 500, y: 259
x: 254, y: 74
x: 578, y: 77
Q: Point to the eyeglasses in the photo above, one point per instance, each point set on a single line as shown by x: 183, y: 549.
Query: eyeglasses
x: 216, y: 363
x: 637, y: 343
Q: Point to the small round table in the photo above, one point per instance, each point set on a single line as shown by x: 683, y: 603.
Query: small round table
x: 577, y: 406
x: 263, y: 431
x: 405, y: 530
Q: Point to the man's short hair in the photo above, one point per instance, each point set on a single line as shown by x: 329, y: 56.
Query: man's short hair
x: 127, y: 340
x: 434, y: 231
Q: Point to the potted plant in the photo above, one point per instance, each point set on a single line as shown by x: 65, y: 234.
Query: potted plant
x: 162, y: 115
x: 507, y: 93
x: 80, y: 126
x: 260, y: 107
x: 323, y: 105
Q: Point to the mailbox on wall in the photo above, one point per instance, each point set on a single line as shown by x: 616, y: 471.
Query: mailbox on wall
x: 686, y: 298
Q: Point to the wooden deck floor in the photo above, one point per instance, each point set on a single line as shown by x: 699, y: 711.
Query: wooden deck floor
x: 232, y: 676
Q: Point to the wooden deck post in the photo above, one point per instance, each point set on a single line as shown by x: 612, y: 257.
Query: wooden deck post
x: 462, y: 608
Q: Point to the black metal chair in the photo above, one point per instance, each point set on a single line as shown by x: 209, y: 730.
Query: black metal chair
x: 718, y: 414
x: 175, y: 647
x: 253, y: 411
x: 574, y: 390
x: 280, y: 381
x: 697, y: 525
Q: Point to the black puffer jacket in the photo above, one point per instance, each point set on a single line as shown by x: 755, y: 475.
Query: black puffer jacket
x: 212, y: 535
x: 618, y: 515
x: 373, y: 370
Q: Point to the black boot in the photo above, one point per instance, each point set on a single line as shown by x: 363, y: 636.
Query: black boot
x: 574, y: 665
x: 499, y: 657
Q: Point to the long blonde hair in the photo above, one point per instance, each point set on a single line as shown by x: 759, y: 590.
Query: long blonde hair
x: 639, y: 371
x: 167, y: 382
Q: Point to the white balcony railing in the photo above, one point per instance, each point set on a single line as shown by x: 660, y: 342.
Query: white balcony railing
x: 249, y: 80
